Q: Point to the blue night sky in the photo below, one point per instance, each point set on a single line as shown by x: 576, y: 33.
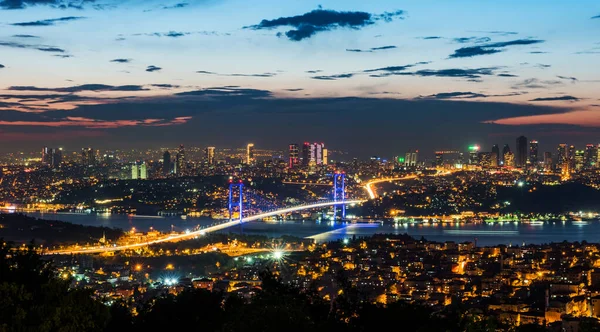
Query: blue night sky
x: 363, y: 76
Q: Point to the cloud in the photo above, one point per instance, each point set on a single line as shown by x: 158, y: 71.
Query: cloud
x: 538, y: 52
x: 572, y: 79
x: 1, y: 66
x: 236, y: 74
x: 314, y: 71
x: 370, y: 50
x: 227, y: 91
x: 177, y: 34
x: 491, y: 48
x: 430, y: 37
x: 48, y: 22
x: 43, y: 48
x: 294, y: 90
x: 476, y: 40
x: 80, y: 88
x: 62, y: 4
x: 25, y: 36
x: 473, y: 73
x: 461, y: 95
x: 501, y: 33
x: 165, y: 86
x: 392, y: 70
x: 561, y: 98
x: 72, y: 121
x: 595, y: 17
x: 534, y: 83
x: 152, y: 68
x: 319, y: 20
x: 178, y: 5
x: 121, y: 60
x: 506, y: 75
x: 543, y: 66
x: 332, y: 77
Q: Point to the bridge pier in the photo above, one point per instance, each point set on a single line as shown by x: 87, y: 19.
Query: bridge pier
x: 339, y: 193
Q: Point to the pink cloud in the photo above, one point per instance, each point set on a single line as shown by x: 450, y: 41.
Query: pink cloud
x: 73, y: 121
x: 579, y: 118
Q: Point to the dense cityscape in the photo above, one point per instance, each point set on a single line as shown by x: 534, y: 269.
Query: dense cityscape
x: 236, y: 166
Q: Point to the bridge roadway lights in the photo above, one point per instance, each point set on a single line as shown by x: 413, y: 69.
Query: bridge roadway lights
x: 191, y: 235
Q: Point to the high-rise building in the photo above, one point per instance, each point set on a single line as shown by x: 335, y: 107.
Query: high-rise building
x: 486, y: 159
x: 439, y: 158
x: 88, y: 157
x: 474, y: 155
x: 505, y: 150
x: 509, y: 159
x: 138, y: 171
x: 180, y: 163
x: 325, y: 156
x: 495, y: 156
x: 571, y: 157
x: 293, y: 156
x: 579, y: 160
x: 166, y: 166
x: 591, y: 156
x: 521, y: 154
x: 411, y: 158
x: 533, y: 152
x: 562, y: 158
x: 250, y: 154
x: 305, y: 153
x: 548, y: 161
x: 52, y: 157
x: 316, y: 154
x: 209, y: 155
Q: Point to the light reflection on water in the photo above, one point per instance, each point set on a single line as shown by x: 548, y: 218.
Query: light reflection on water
x: 486, y: 234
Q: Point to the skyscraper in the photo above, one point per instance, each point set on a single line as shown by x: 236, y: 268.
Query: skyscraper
x: 474, y: 155
x: 439, y: 158
x: 562, y: 157
x: 505, y: 151
x: 509, y: 159
x: 293, y: 156
x: 138, y: 171
x: 579, y: 160
x: 533, y: 152
x: 495, y: 156
x: 88, y: 157
x: 166, y: 166
x: 548, y: 161
x: 591, y: 156
x: 209, y: 155
x: 250, y: 154
x: 521, y: 155
x: 180, y: 164
x: 305, y: 153
x: 325, y: 156
x: 411, y: 158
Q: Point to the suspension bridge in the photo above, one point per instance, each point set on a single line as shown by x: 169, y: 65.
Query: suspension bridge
x: 235, y: 206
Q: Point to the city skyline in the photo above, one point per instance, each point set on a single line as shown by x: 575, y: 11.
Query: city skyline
x: 367, y: 78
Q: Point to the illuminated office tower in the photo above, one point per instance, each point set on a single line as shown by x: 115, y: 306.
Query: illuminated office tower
x: 548, y: 161
x: 305, y: 153
x: 509, y: 159
x: 571, y: 157
x: 52, y: 157
x: 439, y: 158
x: 473, y: 154
x: 533, y: 152
x: 495, y: 162
x: 293, y: 156
x: 410, y: 159
x: 180, y: 164
x: 166, y: 166
x: 325, y: 156
x: 250, y: 154
x: 591, y: 156
x: 88, y: 157
x: 485, y: 159
x: 521, y: 154
x: 579, y: 160
x: 562, y: 156
x: 209, y: 155
x: 505, y: 150
x: 138, y: 171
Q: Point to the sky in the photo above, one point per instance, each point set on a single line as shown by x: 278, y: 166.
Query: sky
x: 366, y: 77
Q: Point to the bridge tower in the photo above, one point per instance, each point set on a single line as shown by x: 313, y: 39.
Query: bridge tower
x: 339, y: 193
x: 232, y: 187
